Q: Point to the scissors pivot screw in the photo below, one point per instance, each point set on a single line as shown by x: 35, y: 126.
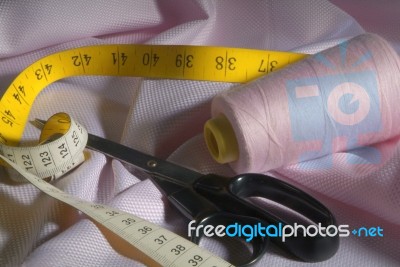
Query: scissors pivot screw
x: 152, y: 163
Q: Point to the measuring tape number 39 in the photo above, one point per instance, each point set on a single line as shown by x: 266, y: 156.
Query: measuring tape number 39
x: 63, y: 140
x: 62, y: 143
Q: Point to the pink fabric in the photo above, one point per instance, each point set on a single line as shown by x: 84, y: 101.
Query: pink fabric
x: 165, y: 118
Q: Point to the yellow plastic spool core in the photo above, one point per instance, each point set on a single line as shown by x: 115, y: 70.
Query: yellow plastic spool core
x: 221, y: 140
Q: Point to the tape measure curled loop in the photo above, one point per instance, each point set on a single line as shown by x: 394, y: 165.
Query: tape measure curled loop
x: 63, y: 140
x: 60, y: 149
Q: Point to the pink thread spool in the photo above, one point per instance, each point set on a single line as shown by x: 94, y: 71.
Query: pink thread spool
x: 344, y: 98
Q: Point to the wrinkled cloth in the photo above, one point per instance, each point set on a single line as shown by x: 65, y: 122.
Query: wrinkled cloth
x: 165, y: 118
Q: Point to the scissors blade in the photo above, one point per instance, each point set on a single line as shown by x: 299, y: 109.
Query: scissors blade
x: 149, y: 164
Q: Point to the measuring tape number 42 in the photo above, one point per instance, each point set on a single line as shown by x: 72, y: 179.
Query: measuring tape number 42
x: 62, y: 149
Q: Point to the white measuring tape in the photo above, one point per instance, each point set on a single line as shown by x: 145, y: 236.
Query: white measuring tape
x: 52, y: 159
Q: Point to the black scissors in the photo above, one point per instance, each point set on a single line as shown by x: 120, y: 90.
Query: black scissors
x: 216, y: 200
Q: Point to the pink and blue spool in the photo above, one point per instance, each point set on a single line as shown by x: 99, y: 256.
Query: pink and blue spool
x: 341, y: 99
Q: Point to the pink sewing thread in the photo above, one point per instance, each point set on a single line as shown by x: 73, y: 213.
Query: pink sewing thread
x: 344, y: 98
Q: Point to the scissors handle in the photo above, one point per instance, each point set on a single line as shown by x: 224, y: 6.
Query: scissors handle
x: 205, y: 213
x: 230, y: 194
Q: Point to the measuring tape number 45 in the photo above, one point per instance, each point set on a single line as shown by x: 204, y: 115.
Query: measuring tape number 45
x: 62, y: 150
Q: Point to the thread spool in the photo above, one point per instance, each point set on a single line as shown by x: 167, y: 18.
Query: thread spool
x: 343, y: 98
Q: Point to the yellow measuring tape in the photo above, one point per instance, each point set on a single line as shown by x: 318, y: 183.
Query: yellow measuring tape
x: 54, y: 158
x: 151, y: 61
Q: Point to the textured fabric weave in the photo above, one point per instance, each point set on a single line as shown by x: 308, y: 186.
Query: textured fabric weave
x: 165, y: 118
